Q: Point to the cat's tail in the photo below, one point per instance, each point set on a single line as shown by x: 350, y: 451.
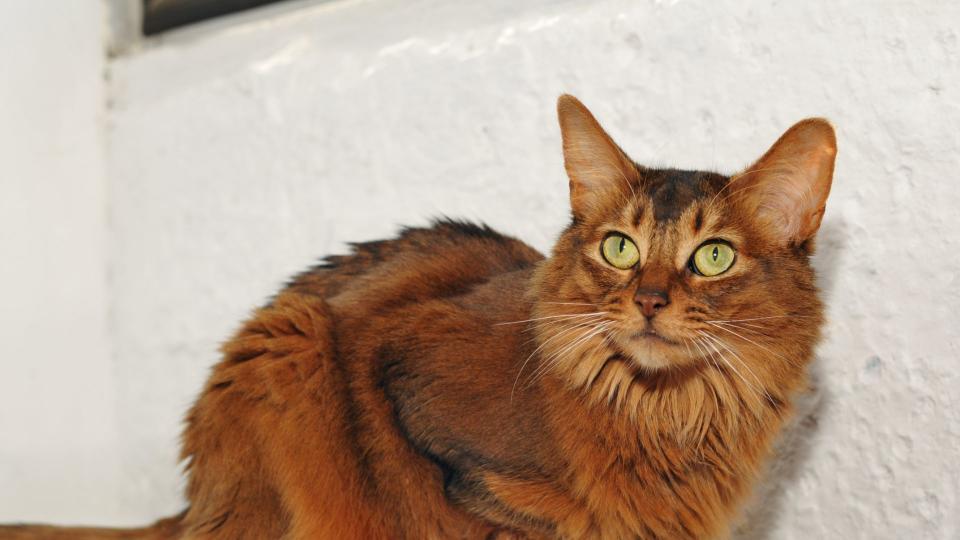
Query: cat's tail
x: 165, y: 529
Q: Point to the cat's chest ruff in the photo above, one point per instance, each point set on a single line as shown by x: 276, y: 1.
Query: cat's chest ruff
x: 630, y: 480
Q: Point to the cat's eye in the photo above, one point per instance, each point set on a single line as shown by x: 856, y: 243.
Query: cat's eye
x: 619, y: 251
x: 712, y: 258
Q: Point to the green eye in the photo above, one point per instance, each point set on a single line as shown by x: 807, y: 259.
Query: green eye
x: 619, y: 251
x: 713, y: 258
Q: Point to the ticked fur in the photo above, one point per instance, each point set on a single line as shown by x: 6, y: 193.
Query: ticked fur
x: 455, y: 383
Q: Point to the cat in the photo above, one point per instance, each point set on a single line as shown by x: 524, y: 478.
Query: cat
x: 455, y: 383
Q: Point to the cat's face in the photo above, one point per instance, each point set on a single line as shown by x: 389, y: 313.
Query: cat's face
x: 677, y: 270
x: 677, y: 264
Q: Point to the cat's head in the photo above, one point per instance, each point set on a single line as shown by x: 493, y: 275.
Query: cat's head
x: 675, y: 271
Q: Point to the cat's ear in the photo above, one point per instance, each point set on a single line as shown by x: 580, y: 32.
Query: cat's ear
x: 787, y: 188
x: 597, y: 168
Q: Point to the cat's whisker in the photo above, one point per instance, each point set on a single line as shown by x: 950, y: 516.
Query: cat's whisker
x: 568, y: 327
x: 598, y: 326
x: 757, y: 318
x: 706, y: 354
x: 696, y: 344
x: 555, y: 358
x: 745, y: 366
x: 784, y: 358
x: 552, y: 360
x: 749, y: 328
x: 716, y: 399
x: 729, y: 364
x: 558, y: 318
x: 557, y: 326
x: 567, y: 315
x: 746, y: 325
x: 762, y: 324
x: 586, y: 329
x: 542, y: 345
x: 563, y: 323
x: 569, y: 303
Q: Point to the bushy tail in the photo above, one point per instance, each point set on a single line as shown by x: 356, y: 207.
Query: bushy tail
x: 165, y: 529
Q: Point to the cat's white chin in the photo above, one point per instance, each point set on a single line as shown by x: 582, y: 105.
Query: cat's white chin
x: 650, y: 362
x: 651, y: 353
x: 650, y: 350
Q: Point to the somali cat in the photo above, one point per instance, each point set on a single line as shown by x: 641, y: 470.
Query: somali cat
x: 454, y: 383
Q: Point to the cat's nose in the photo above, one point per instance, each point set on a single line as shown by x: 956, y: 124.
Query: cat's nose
x: 651, y: 302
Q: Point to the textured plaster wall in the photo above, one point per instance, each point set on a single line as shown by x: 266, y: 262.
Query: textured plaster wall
x: 58, y: 440
x: 238, y: 153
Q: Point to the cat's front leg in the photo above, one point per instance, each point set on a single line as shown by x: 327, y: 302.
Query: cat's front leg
x: 523, y: 508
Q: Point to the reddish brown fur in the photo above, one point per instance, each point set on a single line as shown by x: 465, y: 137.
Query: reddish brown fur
x: 402, y: 392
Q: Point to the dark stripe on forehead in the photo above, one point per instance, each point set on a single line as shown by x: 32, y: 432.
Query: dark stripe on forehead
x: 672, y: 190
x: 698, y: 221
x: 637, y: 214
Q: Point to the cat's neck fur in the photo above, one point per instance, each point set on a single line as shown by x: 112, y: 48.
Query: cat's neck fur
x: 660, y: 454
x: 642, y: 454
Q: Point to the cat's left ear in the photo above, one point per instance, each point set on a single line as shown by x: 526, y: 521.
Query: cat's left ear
x: 787, y: 188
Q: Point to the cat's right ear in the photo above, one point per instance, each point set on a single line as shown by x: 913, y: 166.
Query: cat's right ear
x: 597, y: 168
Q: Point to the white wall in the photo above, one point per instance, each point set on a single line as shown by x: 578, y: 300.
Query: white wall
x: 239, y: 152
x: 58, y: 440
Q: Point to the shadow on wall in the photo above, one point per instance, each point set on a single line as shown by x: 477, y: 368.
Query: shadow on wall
x: 795, y: 445
x: 831, y: 245
x: 791, y: 454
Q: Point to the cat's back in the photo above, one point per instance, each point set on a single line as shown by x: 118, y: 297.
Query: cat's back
x: 444, y: 260
x: 298, y: 404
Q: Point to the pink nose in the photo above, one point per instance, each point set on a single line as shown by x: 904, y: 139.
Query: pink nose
x: 651, y: 302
